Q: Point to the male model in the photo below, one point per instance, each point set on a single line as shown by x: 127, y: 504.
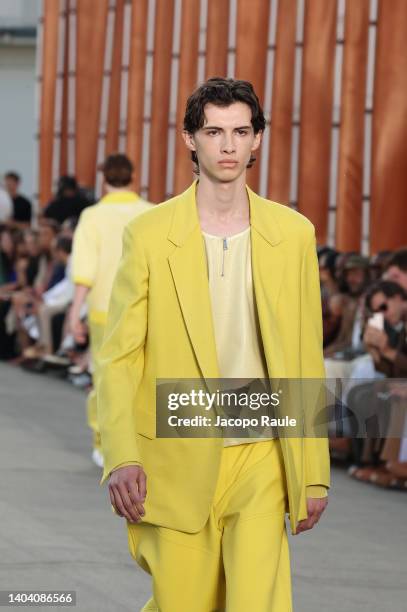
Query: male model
x: 96, y: 254
x: 216, y: 282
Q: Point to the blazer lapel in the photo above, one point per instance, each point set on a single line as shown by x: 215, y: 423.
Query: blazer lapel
x: 189, y: 271
x: 268, y: 264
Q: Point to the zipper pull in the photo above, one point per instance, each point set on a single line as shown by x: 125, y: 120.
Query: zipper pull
x: 225, y: 247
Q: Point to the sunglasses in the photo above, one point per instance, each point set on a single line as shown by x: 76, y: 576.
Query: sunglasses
x: 382, y: 308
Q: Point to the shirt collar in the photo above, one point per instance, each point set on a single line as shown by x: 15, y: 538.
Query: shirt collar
x: 120, y: 197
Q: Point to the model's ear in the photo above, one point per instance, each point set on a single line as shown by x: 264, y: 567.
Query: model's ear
x: 189, y: 140
x: 257, y: 140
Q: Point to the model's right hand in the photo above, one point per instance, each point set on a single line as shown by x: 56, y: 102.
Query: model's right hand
x: 128, y: 490
x: 78, y: 330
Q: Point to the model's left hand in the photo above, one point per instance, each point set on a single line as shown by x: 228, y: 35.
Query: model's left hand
x: 315, y: 508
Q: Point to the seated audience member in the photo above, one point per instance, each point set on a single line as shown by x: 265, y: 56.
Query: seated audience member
x: 6, y: 206
x: 388, y: 346
x: 354, y: 282
x: 53, y: 301
x: 32, y: 255
x: 69, y: 201
x: 332, y: 299
x: 385, y: 338
x: 395, y: 268
x: 22, y: 207
x: 340, y: 267
x: 10, y: 258
x: 68, y: 227
x: 8, y: 254
x: 377, y: 265
x: 12, y: 255
x: 329, y: 282
x: 45, y: 273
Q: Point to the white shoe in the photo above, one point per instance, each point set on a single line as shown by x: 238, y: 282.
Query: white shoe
x: 97, y: 457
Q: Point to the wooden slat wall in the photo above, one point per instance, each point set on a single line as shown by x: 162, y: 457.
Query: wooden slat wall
x: 251, y: 56
x: 187, y: 78
x: 137, y: 73
x: 164, y: 19
x: 283, y: 100
x: 389, y: 168
x: 47, y: 112
x: 63, y: 159
x: 350, y: 166
x: 316, y: 112
x: 310, y: 115
x: 113, y: 117
x: 217, y: 38
x: 90, y: 51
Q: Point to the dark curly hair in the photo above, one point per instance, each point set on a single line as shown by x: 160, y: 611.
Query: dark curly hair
x: 221, y: 92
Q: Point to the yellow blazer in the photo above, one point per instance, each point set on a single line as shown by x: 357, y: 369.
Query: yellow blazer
x: 160, y: 326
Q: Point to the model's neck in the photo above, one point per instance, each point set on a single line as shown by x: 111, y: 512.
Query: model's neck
x: 223, y: 208
x: 222, y: 199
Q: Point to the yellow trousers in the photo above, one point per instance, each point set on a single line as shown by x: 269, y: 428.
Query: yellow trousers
x: 96, y: 337
x: 239, y: 562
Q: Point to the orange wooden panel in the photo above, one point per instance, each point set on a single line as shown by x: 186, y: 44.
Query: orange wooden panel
x: 217, y: 38
x: 350, y: 168
x: 47, y: 111
x: 63, y: 156
x: 186, y: 84
x: 164, y: 18
x: 389, y: 164
x: 251, y: 55
x: 137, y: 72
x: 113, y: 113
x: 316, y: 112
x: 91, y: 36
x: 282, y: 103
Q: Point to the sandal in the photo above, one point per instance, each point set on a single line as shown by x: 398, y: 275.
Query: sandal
x: 364, y: 474
x: 387, y: 480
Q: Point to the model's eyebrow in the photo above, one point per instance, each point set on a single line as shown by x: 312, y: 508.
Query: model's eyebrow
x: 215, y: 127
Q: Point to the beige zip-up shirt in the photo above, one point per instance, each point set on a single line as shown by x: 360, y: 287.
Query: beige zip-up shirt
x: 237, y: 332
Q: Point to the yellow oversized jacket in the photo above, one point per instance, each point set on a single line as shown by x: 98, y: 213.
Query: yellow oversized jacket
x: 160, y: 326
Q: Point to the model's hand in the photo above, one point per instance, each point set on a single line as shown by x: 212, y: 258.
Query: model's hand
x: 127, y: 489
x: 78, y: 330
x: 315, y: 508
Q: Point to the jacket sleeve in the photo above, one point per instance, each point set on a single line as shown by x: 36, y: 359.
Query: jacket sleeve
x: 122, y: 356
x: 316, y: 448
x: 85, y: 252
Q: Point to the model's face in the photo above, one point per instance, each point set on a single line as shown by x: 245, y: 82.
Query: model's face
x: 225, y: 142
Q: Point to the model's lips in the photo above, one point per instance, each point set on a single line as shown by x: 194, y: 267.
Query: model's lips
x: 228, y: 162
